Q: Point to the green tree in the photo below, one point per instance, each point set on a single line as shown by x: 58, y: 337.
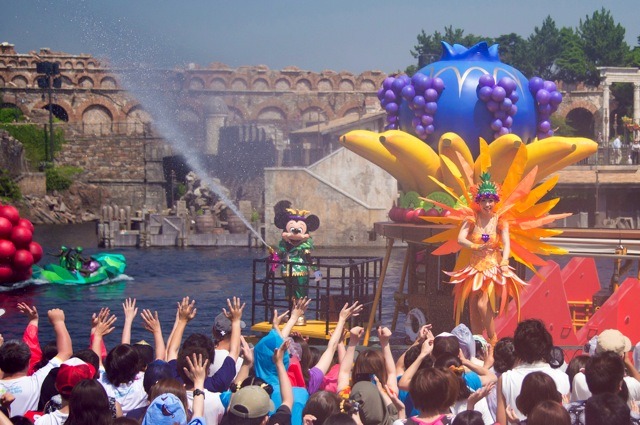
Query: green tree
x: 603, y: 39
x: 429, y: 48
x: 544, y: 46
x: 513, y: 49
x: 572, y: 65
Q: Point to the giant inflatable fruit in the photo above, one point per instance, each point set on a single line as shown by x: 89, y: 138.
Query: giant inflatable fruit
x: 17, y: 251
x: 458, y: 75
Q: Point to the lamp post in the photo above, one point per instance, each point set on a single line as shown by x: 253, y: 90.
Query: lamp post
x: 48, y: 80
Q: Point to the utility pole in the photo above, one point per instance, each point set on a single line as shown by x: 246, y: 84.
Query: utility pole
x: 48, y: 80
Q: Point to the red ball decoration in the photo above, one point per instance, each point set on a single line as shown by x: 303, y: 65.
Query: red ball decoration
x: 6, y: 273
x: 20, y: 275
x: 21, y: 237
x: 7, y: 249
x: 26, y: 223
x: 36, y: 250
x: 22, y: 260
x: 10, y: 213
x: 5, y: 228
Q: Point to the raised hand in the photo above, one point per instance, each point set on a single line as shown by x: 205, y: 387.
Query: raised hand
x: 130, y: 309
x: 30, y: 312
x: 355, y: 334
x: 384, y: 334
x: 151, y: 321
x: 196, y: 369
x: 300, y: 307
x: 105, y: 325
x: 187, y: 310
x: 235, y: 309
x: 247, y: 352
x: 278, y: 354
x: 101, y: 316
x: 56, y: 315
x: 277, y: 319
x: 347, y: 311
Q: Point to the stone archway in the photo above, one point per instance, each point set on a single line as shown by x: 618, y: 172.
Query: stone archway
x: 97, y: 120
x: 583, y: 121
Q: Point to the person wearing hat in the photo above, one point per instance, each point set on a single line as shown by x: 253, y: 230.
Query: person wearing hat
x: 614, y: 341
x: 167, y: 409
x: 70, y: 373
x: 251, y: 405
x: 221, y: 332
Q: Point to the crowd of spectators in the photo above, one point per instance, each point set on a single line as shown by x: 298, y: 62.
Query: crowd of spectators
x: 451, y: 378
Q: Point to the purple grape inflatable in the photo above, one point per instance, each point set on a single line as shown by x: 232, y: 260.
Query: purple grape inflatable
x: 458, y: 79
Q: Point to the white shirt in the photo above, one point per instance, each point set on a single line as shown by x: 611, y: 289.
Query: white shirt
x: 481, y: 406
x: 213, y: 408
x: 26, y: 389
x: 580, y: 390
x: 53, y: 418
x: 218, y: 359
x: 130, y: 395
x: 512, y: 381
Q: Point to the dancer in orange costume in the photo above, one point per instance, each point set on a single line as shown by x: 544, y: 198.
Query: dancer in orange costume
x: 488, y: 268
x: 492, y: 223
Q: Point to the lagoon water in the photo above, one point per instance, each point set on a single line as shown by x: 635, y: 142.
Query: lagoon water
x: 160, y: 277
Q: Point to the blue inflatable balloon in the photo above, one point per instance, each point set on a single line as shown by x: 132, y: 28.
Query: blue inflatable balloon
x: 459, y: 77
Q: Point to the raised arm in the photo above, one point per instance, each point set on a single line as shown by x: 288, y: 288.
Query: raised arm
x: 63, y: 339
x: 277, y: 319
x: 486, y: 376
x: 130, y: 312
x: 152, y: 324
x: 30, y: 335
x: 422, y: 335
x: 247, y: 364
x: 286, y: 390
x: 235, y: 316
x: 103, y: 326
x: 186, y: 312
x: 196, y: 370
x: 298, y: 310
x: 344, y: 375
x: 384, y: 334
x: 336, y: 337
x: 427, y: 348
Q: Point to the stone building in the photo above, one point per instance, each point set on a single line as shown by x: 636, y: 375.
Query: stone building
x: 112, y: 136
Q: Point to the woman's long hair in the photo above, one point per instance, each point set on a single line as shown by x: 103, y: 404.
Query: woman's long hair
x: 89, y: 404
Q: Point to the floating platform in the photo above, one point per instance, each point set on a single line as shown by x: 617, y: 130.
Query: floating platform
x: 316, y: 329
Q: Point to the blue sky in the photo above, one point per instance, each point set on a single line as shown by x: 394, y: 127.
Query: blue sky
x: 312, y: 35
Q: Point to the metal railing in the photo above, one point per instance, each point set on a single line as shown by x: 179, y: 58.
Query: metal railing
x: 344, y: 279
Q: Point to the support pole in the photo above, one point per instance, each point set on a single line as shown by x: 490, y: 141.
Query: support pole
x: 376, y: 300
x: 399, y: 295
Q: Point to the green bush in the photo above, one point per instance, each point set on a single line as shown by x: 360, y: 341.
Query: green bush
x: 33, y: 138
x: 9, y: 115
x: 9, y: 190
x: 61, y: 178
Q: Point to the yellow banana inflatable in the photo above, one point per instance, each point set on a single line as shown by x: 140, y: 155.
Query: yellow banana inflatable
x: 416, y: 156
x: 502, y: 151
x: 367, y: 144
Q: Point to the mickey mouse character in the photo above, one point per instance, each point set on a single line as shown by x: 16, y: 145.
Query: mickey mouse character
x: 295, y: 249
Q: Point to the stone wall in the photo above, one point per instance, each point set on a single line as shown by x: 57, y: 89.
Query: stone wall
x: 12, y: 155
x: 345, y: 218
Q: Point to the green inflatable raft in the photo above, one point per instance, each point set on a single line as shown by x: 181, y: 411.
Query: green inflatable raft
x: 104, y: 267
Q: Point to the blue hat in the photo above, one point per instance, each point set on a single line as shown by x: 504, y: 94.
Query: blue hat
x: 156, y: 370
x: 166, y: 409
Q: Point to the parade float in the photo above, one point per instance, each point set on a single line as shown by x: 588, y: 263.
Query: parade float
x: 73, y: 269
x: 455, y: 120
x: 18, y: 251
x: 19, y: 254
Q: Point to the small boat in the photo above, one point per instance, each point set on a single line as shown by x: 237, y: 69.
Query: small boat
x: 102, y: 267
